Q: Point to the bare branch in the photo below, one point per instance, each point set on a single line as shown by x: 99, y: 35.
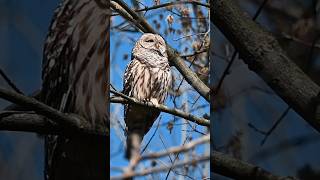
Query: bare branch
x: 29, y: 121
x: 233, y: 168
x: 163, y: 168
x: 67, y: 121
x: 195, y: 53
x: 160, y: 107
x: 274, y: 126
x: 178, y: 149
x: 170, y: 4
x: 26, y: 121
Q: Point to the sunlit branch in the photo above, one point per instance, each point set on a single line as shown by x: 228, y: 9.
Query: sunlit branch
x: 178, y: 149
x: 163, y: 168
x: 160, y: 107
x: 170, y: 4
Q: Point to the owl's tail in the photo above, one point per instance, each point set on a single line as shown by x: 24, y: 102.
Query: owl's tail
x: 134, y: 140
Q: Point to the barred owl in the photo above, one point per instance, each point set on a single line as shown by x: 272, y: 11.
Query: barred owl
x: 74, y: 77
x: 146, y: 78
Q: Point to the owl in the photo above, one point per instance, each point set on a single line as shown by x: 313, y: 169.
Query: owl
x: 74, y: 75
x: 146, y: 78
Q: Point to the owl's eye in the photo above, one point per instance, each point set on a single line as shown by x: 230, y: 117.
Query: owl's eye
x: 150, y: 40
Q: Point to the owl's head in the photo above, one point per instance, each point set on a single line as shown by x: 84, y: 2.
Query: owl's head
x: 153, y: 43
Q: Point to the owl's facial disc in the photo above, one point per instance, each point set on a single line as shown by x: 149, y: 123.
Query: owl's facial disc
x: 154, y: 44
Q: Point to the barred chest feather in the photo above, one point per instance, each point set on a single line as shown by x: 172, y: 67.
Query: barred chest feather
x: 148, y: 81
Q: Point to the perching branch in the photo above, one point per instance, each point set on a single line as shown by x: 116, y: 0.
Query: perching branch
x: 160, y: 107
x: 174, y: 57
x: 70, y: 122
x: 263, y: 54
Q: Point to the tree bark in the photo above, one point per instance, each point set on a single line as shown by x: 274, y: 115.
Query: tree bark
x: 233, y: 168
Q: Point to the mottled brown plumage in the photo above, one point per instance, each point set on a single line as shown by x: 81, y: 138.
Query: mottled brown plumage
x: 147, y: 78
x: 75, y: 81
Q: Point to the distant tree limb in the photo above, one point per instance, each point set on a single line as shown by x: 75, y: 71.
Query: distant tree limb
x: 178, y: 149
x: 233, y: 168
x: 176, y: 112
x: 147, y: 171
x: 174, y: 57
x: 263, y: 54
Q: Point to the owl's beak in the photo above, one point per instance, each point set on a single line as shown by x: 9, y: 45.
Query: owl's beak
x: 157, y: 45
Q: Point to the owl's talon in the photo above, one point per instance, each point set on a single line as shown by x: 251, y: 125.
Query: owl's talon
x: 154, y: 101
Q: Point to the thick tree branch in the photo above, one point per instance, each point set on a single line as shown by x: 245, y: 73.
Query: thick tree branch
x: 70, y: 122
x: 173, y: 55
x: 160, y: 107
x: 233, y: 168
x: 29, y: 121
x: 263, y: 54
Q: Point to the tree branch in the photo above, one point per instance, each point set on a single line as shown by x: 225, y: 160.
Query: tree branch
x: 170, y: 4
x: 178, y: 149
x: 160, y: 107
x: 70, y: 122
x: 263, y: 54
x: 233, y: 168
x: 173, y: 55
x: 163, y: 168
x: 29, y: 121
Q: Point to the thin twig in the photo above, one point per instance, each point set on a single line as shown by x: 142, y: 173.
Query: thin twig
x: 10, y: 83
x: 274, y: 126
x: 154, y: 133
x: 195, y: 53
x: 170, y: 4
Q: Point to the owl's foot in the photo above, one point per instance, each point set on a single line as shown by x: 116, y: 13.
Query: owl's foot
x: 154, y: 101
